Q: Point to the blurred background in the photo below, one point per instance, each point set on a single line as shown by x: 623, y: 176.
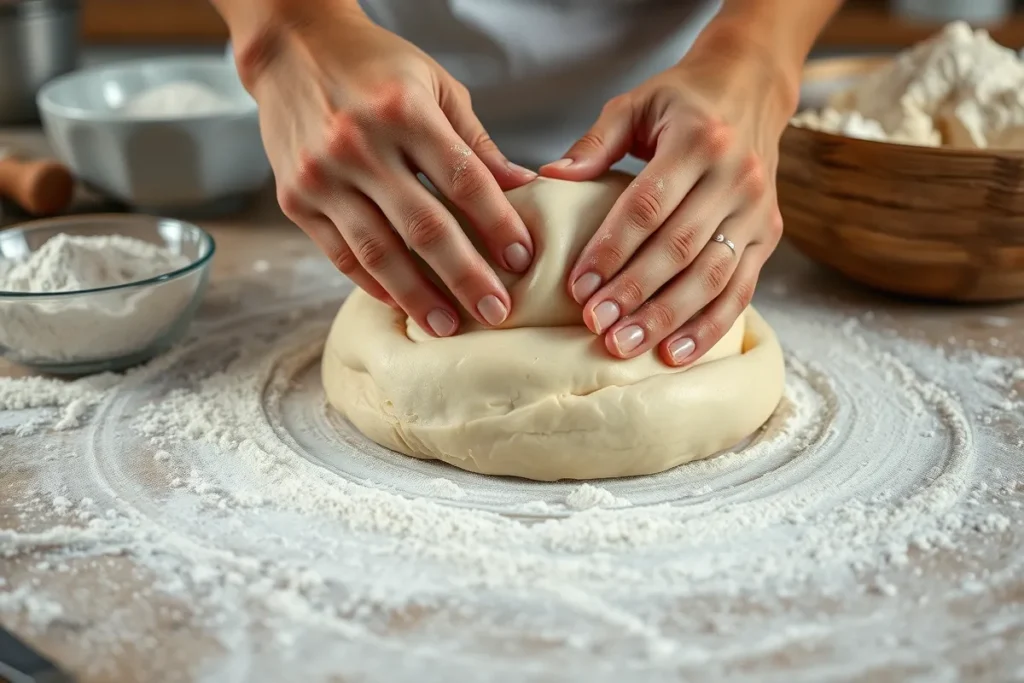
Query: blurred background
x: 113, y: 26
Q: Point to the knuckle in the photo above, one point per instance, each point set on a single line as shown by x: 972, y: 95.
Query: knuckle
x: 776, y: 225
x: 290, y: 202
x: 714, y: 138
x: 483, y: 143
x: 425, y: 229
x: 309, y: 174
x: 615, y: 105
x: 743, y: 293
x: 680, y: 245
x: 465, y: 281
x: 468, y: 182
x: 345, y: 139
x: 342, y: 257
x: 716, y: 274
x: 590, y: 141
x: 752, y: 179
x: 394, y: 102
x: 645, y: 208
x: 607, y: 258
x: 629, y: 292
x: 658, y: 317
x: 505, y: 224
x: 372, y: 252
x: 710, y: 331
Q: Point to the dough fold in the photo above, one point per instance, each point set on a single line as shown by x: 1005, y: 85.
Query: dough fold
x: 541, y: 398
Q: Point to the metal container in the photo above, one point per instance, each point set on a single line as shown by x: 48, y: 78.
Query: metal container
x: 38, y: 41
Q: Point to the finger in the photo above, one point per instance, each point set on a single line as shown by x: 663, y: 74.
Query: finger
x: 607, y: 141
x: 681, y: 162
x: 669, y: 252
x: 385, y: 259
x: 680, y: 300
x: 457, y: 107
x: 459, y: 173
x: 326, y: 236
x: 698, y: 335
x: 430, y: 230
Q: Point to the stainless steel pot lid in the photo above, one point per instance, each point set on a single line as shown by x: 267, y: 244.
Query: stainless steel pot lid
x: 37, y: 7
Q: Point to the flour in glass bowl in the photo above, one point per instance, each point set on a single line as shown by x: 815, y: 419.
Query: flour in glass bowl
x: 97, y: 325
x: 871, y: 529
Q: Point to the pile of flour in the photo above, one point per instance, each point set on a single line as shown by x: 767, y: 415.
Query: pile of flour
x: 959, y: 88
x: 178, y: 99
x: 99, y: 325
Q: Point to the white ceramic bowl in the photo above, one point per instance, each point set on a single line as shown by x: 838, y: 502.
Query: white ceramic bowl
x: 186, y: 164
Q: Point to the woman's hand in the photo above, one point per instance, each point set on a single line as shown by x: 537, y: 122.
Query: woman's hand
x: 677, y: 259
x: 349, y: 114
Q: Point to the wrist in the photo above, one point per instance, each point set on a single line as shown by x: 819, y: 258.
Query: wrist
x: 261, y: 29
x: 738, y: 48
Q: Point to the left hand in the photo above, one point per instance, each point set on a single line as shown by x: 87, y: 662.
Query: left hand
x: 654, y: 273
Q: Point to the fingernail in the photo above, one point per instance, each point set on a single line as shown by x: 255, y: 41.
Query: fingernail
x: 628, y: 338
x: 561, y: 164
x: 605, y: 315
x: 517, y: 257
x: 585, y: 286
x: 492, y: 310
x: 441, y: 322
x: 680, y: 349
x: 521, y: 170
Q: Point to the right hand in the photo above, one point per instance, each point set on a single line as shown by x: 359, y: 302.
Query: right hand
x: 349, y: 113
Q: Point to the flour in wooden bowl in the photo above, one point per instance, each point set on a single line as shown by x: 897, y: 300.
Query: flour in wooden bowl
x: 959, y: 88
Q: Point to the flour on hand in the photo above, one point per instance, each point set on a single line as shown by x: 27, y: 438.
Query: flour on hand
x: 959, y: 88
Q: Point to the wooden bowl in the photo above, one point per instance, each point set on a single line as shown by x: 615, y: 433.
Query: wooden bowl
x: 939, y: 223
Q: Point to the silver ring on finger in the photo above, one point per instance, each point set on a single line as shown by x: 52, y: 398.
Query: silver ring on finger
x: 722, y: 239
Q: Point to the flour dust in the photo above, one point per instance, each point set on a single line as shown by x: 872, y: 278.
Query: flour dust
x: 212, y: 504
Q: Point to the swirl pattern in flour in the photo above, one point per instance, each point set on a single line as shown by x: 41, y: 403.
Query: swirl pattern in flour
x: 230, y: 482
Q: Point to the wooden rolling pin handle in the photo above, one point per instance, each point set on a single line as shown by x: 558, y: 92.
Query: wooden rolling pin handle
x: 40, y: 187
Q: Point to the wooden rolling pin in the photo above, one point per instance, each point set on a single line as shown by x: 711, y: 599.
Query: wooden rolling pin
x: 41, y: 187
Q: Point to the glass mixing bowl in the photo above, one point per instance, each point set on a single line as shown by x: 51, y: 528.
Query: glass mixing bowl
x: 107, y: 328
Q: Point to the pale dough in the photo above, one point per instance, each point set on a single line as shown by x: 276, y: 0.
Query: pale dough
x: 541, y: 398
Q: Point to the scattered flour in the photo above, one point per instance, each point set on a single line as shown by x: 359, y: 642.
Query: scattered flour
x: 443, y: 488
x: 588, y: 496
x: 840, y: 541
x: 101, y: 325
x: 178, y: 99
x: 958, y: 88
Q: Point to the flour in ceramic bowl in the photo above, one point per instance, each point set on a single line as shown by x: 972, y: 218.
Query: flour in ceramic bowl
x: 99, y: 325
x: 178, y: 99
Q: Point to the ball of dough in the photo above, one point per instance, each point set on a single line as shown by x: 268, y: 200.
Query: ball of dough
x: 541, y: 398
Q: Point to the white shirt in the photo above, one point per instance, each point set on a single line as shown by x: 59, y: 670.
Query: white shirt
x: 539, y: 71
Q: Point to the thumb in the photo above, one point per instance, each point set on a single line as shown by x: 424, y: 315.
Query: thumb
x: 607, y: 141
x: 456, y: 105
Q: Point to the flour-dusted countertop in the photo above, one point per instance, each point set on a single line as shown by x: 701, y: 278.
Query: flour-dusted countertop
x: 166, y: 571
